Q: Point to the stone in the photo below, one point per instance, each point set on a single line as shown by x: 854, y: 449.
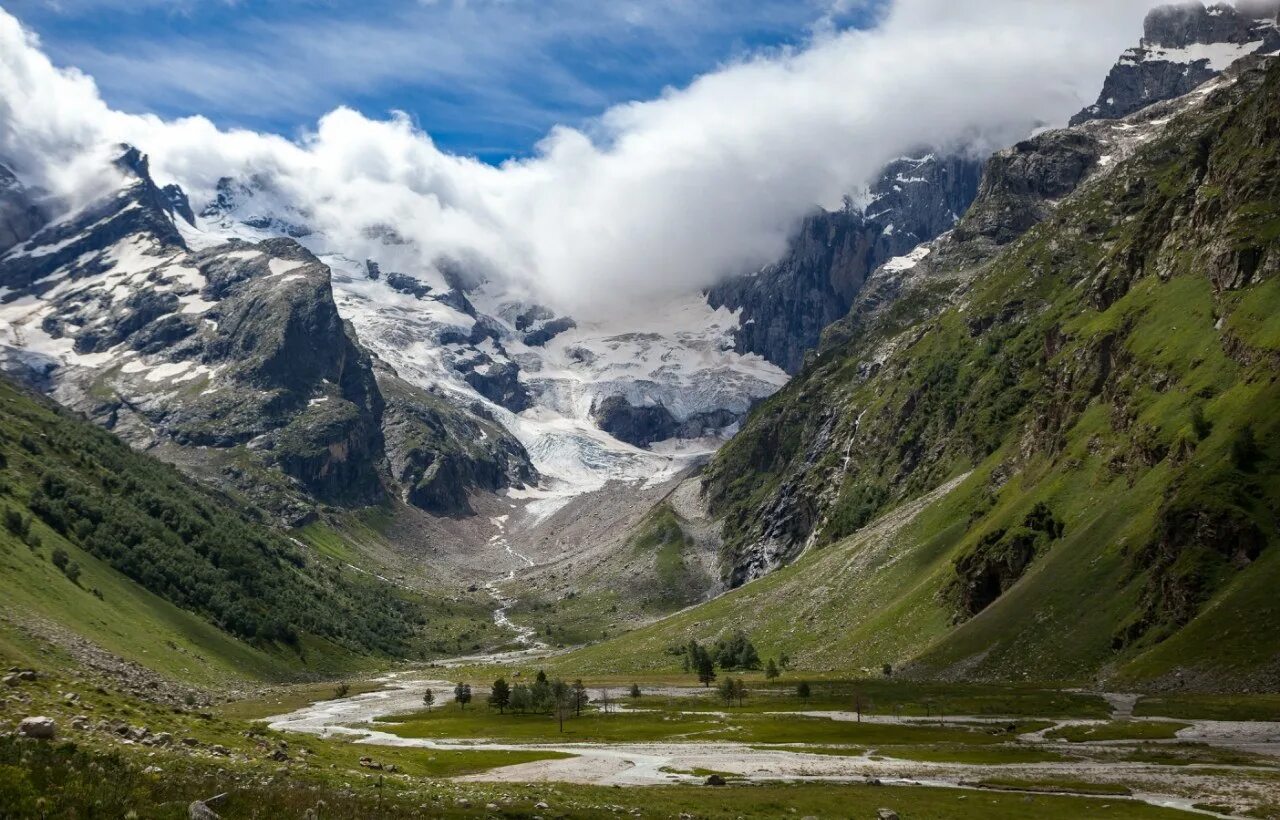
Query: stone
x: 219, y: 749
x: 163, y: 739
x: 886, y: 814
x: 39, y: 727
x: 542, y: 806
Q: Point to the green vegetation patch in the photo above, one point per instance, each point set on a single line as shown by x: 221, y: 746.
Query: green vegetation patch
x: 1118, y: 730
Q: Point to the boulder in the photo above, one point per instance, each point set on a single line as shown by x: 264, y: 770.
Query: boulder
x: 886, y: 814
x: 716, y: 780
x: 42, y: 728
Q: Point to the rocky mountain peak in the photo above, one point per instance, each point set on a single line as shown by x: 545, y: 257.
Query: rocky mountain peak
x: 1184, y: 45
x: 1184, y: 24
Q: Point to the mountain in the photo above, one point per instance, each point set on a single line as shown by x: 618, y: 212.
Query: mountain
x: 21, y: 215
x: 784, y: 307
x: 230, y: 357
x: 1183, y: 45
x: 125, y: 552
x: 1045, y: 444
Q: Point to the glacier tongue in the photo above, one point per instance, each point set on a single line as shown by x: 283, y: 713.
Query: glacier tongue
x: 678, y: 355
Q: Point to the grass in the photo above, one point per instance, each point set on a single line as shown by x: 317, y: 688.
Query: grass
x: 1118, y: 730
x: 1187, y: 754
x: 1053, y: 785
x: 1210, y: 707
x: 912, y: 699
x: 57, y: 780
x: 450, y: 721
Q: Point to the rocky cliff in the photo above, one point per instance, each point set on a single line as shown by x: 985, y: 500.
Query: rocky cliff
x: 20, y: 213
x: 1182, y: 46
x: 785, y: 306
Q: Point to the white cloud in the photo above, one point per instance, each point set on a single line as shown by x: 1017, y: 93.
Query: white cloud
x: 655, y: 196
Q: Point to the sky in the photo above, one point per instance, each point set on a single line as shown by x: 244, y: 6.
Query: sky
x: 487, y: 78
x: 651, y: 148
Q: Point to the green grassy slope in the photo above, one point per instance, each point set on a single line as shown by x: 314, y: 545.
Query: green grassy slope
x: 170, y: 575
x: 1108, y: 384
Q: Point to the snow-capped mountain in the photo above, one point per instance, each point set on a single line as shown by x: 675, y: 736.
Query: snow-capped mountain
x: 227, y: 354
x: 1183, y: 46
x: 240, y: 338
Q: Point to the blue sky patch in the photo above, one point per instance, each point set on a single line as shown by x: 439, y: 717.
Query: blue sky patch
x: 484, y: 77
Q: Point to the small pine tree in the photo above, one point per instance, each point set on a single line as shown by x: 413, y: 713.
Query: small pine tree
x: 542, y: 677
x: 771, y: 670
x: 706, y: 667
x: 727, y: 691
x: 561, y: 701
x: 635, y: 690
x: 521, y: 701
x: 60, y: 558
x: 73, y: 572
x: 500, y: 695
x: 802, y: 691
x: 462, y: 694
x: 428, y: 699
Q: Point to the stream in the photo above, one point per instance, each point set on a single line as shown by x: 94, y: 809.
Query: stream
x: 524, y: 635
x: 672, y: 761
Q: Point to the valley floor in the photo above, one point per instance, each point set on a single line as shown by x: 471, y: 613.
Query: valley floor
x: 680, y: 735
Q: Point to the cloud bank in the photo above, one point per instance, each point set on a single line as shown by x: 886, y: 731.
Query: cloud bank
x: 655, y: 197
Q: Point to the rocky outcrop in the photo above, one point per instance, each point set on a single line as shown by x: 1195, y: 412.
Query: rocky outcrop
x: 1021, y: 184
x: 785, y: 306
x: 999, y: 559
x: 499, y: 382
x: 1183, y: 45
x: 20, y: 215
x: 440, y: 453
x: 646, y: 424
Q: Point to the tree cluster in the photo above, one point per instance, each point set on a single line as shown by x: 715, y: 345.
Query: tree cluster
x: 191, y: 546
x: 737, y: 652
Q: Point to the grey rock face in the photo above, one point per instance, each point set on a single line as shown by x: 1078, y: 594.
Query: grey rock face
x: 786, y: 306
x: 439, y: 453
x: 1020, y: 184
x: 644, y: 425
x: 20, y: 215
x: 1166, y: 64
